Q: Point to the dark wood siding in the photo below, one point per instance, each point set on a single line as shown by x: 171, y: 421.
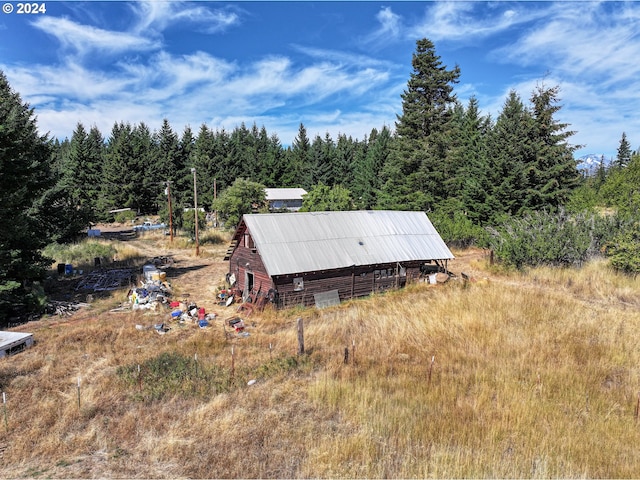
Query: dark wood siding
x: 351, y: 282
x: 246, y: 259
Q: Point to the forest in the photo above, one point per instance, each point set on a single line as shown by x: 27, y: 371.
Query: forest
x: 510, y: 184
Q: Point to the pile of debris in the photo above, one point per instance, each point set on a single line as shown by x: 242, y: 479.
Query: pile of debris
x: 154, y: 290
x: 60, y: 308
x: 105, y: 280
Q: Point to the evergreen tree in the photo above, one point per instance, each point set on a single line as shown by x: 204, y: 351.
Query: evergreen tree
x: 121, y: 178
x: 467, y: 181
x: 510, y: 150
x: 78, y: 186
x: 25, y: 176
x: 165, y: 165
x: 300, y: 171
x: 415, y: 171
x: 552, y: 173
x: 623, y: 156
x: 367, y: 181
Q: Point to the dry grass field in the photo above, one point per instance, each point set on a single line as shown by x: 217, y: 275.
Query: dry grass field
x: 532, y: 375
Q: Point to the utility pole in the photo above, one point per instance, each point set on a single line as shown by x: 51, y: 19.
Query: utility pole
x: 215, y: 197
x: 195, y: 205
x: 170, y: 212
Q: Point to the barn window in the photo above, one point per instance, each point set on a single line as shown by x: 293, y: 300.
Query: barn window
x: 298, y: 284
x: 248, y: 241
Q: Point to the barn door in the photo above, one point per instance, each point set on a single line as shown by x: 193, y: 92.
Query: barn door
x: 248, y: 285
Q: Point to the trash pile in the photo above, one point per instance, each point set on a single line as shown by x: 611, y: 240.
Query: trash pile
x: 154, y: 291
x: 106, y: 279
x: 190, y: 312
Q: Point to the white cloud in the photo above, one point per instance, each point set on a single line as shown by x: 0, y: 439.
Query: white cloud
x: 159, y: 15
x: 83, y: 39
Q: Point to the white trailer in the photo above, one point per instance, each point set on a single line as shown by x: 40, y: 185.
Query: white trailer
x: 14, y: 342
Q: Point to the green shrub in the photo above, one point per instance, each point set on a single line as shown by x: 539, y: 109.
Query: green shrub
x: 80, y: 253
x: 624, y: 249
x: 124, y: 217
x: 457, y: 229
x: 542, y: 238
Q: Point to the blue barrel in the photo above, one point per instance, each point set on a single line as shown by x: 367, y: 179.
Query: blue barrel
x: 68, y: 269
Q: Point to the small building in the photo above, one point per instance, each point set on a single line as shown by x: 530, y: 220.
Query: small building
x: 285, y: 198
x: 322, y: 258
x: 14, y: 342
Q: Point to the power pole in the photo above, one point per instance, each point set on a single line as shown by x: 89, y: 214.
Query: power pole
x: 170, y: 212
x: 195, y: 205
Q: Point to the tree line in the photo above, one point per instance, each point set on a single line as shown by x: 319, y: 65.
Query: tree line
x: 471, y: 172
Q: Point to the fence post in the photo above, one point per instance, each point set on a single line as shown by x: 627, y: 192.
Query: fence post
x: 300, y: 336
x: 4, y: 403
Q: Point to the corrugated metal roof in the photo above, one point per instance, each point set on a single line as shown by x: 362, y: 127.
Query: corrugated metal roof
x: 284, y: 193
x: 314, y: 241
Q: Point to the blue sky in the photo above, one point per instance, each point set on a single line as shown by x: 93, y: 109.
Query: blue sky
x: 336, y: 67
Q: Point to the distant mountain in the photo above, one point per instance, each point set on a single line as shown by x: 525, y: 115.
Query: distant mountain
x: 590, y: 162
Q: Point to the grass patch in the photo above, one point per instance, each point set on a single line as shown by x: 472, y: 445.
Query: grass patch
x: 81, y: 253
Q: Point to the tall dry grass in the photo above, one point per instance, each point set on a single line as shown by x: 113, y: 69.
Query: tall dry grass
x: 533, y: 375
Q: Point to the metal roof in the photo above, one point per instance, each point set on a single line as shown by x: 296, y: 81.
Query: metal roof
x: 313, y: 241
x: 8, y: 339
x: 284, y: 193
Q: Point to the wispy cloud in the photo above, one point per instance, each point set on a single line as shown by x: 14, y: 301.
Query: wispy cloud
x: 83, y: 39
x: 207, y: 17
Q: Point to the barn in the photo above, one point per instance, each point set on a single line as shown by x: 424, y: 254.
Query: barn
x: 322, y: 258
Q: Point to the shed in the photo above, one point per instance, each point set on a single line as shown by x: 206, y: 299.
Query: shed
x: 14, y: 342
x: 284, y: 198
x: 321, y: 258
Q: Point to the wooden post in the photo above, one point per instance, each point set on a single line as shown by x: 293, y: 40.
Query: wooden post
x: 433, y: 359
x: 637, y: 407
x: 300, y: 336
x: 353, y: 351
x: 78, y: 392
x: 139, y: 379
x: 233, y: 362
x: 270, y: 350
x: 4, y: 403
x: 346, y: 355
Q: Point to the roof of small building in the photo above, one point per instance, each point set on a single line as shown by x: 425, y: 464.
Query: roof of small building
x: 284, y: 193
x: 9, y: 338
x: 314, y: 241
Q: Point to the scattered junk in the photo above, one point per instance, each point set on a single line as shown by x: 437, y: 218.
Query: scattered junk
x: 60, y: 308
x: 237, y: 324
x: 106, y: 280
x: 14, y: 342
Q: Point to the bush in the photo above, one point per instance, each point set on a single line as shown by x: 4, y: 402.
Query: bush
x: 541, y: 238
x: 80, y: 253
x: 125, y: 217
x: 624, y: 249
x: 457, y: 230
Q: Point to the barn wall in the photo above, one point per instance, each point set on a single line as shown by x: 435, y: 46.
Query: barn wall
x: 350, y: 283
x: 245, y: 259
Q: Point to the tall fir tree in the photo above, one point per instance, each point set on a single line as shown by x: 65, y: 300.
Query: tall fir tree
x: 510, y: 150
x: 468, y: 180
x: 25, y: 177
x: 79, y: 180
x: 120, y: 175
x: 552, y: 174
x: 367, y: 181
x: 300, y: 171
x: 415, y: 172
x: 623, y: 155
